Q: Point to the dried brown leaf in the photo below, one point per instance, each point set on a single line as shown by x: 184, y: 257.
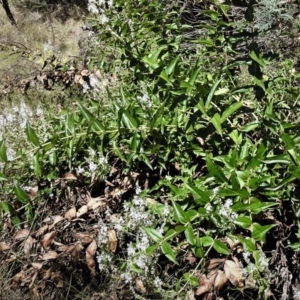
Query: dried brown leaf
x: 28, y: 245
x: 82, y: 210
x: 33, y: 278
x: 37, y: 265
x: 205, y: 284
x: 57, y: 219
x: 32, y: 192
x: 233, y: 272
x: 48, y: 239
x: 208, y: 296
x: 85, y: 72
x: 220, y: 281
x: 41, y: 231
x: 4, y: 246
x: 112, y: 240
x: 83, y: 237
x: 22, y: 234
x: 17, y: 278
x: 139, y: 286
x: 69, y: 176
x: 76, y: 253
x: 90, y: 253
x: 71, y: 213
x: 49, y: 255
x: 215, y: 263
x: 11, y: 259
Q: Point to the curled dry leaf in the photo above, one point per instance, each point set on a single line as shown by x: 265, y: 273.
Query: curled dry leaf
x: 48, y: 239
x: 49, y: 255
x: 4, y: 246
x: 69, y: 176
x: 90, y: 253
x: 17, y: 278
x: 215, y: 263
x: 41, y: 231
x: 83, y: 237
x: 205, y: 284
x: 32, y: 192
x: 220, y: 281
x: 112, y: 240
x: 71, y: 213
x: 28, y: 245
x: 82, y: 210
x: 96, y: 202
x: 37, y: 265
x: 233, y: 272
x: 75, y: 254
x: 57, y: 219
x: 22, y: 234
x: 208, y: 296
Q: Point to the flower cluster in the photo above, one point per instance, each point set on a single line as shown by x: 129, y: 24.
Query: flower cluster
x: 129, y: 226
x: 94, y: 162
x: 13, y: 123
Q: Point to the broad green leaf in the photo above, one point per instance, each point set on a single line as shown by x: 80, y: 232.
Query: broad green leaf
x: 259, y: 60
x: 295, y: 246
x: 191, y: 215
x: 211, y: 93
x: 258, y: 207
x: 215, y: 170
x: 250, y: 126
x: 2, y: 177
x: 193, y: 77
x: 36, y: 166
x: 220, y: 247
x: 207, y: 241
x: 294, y: 156
x: 192, y: 280
x: 153, y: 234
x: 151, y: 249
x: 170, y: 68
x: 170, y: 234
x: 135, y: 268
x: 31, y: 135
x: 216, y: 121
x: 225, y: 192
x: 288, y: 140
x: 243, y: 221
x: 97, y: 125
x: 221, y: 92
x: 179, y: 213
x: 21, y: 195
x: 9, y: 209
x: 199, y: 252
x: 179, y: 228
x: 129, y: 121
x: 201, y: 196
x: 259, y: 232
x: 236, y: 137
x: 168, y: 252
x: 3, y: 155
x: 230, y: 110
x: 277, y: 159
x: 247, y: 243
x: 165, y: 76
x: 189, y: 234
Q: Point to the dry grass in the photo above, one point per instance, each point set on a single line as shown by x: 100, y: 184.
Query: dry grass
x: 35, y: 32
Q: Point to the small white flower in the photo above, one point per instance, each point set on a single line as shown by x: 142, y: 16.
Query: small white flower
x: 103, y: 19
x: 157, y: 282
x: 93, y: 8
